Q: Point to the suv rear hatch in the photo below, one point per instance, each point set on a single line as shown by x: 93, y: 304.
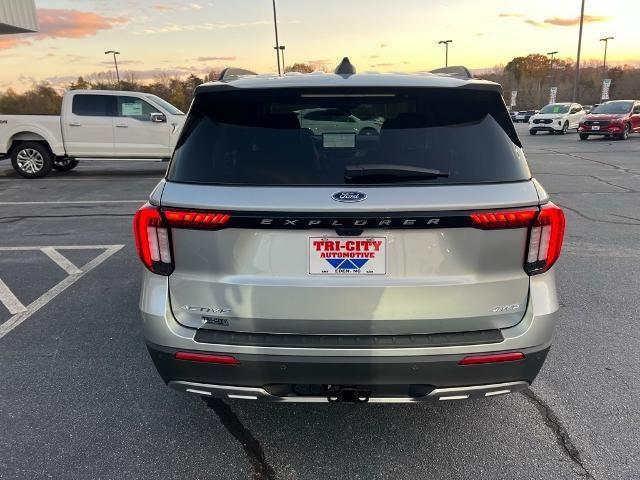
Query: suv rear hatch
x: 279, y: 228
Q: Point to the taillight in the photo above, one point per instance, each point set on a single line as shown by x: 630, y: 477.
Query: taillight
x: 546, y: 232
x: 545, y: 239
x: 195, y: 219
x: 152, y: 240
x: 504, y: 219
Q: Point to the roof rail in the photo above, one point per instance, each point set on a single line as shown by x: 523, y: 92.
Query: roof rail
x: 457, y: 71
x: 230, y: 74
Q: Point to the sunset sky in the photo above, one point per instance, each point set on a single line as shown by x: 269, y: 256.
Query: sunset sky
x: 182, y: 37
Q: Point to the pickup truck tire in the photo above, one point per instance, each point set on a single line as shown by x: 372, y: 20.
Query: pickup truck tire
x: 32, y: 160
x: 64, y: 164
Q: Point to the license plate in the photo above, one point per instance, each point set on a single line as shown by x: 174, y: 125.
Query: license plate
x: 595, y: 127
x: 347, y: 256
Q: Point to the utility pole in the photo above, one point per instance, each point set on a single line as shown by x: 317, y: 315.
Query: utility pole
x: 577, y: 80
x: 446, y: 50
x: 551, y: 60
x: 115, y: 61
x: 275, y: 26
x: 604, y: 65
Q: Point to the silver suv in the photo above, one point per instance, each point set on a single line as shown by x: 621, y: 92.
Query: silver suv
x: 291, y: 265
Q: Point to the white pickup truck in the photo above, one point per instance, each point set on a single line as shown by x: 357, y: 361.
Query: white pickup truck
x: 92, y: 124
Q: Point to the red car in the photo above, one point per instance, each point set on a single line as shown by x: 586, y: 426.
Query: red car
x: 617, y: 118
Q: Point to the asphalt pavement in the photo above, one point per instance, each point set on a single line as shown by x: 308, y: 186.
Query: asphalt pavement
x: 80, y: 398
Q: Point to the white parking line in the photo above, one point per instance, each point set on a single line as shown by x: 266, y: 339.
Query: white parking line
x: 37, y: 304
x: 9, y: 300
x: 62, y: 261
x: 72, y: 202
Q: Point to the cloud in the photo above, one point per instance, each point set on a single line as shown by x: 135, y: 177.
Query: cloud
x: 383, y: 45
x: 64, y: 23
x: 566, y: 22
x: 382, y: 65
x: 174, y: 27
x: 163, y: 7
x: 374, y: 56
x: 510, y: 15
x: 216, y: 59
x: 61, y: 23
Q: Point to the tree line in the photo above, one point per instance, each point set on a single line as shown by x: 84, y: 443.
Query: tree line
x: 532, y: 76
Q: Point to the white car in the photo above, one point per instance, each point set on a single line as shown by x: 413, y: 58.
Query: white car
x: 557, y: 118
x: 92, y: 124
x: 323, y: 120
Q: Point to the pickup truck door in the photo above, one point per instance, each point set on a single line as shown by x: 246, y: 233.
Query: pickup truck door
x: 136, y: 135
x: 87, y: 126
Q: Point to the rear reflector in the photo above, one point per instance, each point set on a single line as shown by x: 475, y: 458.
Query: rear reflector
x: 195, y: 219
x: 492, y: 358
x: 207, y: 358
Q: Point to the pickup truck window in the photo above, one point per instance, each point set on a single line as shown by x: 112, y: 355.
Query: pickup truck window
x: 93, y: 105
x: 132, y: 107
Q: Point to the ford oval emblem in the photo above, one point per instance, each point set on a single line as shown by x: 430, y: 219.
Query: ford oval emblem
x: 349, y: 197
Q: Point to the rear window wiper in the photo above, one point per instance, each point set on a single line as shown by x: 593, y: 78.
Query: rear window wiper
x: 396, y: 172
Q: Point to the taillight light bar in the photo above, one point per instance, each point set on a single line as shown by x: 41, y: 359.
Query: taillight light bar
x: 195, y: 219
x: 546, y: 232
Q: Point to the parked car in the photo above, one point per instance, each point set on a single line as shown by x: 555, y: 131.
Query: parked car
x: 588, y: 108
x: 321, y: 120
x: 557, y: 118
x: 618, y: 118
x: 524, y: 115
x: 92, y: 124
x: 414, y: 265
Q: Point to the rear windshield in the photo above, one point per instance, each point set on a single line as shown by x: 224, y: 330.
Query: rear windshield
x: 344, y: 136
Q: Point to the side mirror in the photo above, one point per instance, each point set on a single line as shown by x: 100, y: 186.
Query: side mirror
x: 158, y: 118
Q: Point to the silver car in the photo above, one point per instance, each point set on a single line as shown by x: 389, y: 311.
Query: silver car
x: 412, y: 265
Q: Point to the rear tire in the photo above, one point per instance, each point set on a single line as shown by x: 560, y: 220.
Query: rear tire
x: 32, y: 160
x: 65, y: 164
x: 533, y: 132
x: 584, y: 136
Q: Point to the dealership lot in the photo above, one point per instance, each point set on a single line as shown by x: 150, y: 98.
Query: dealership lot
x: 79, y: 397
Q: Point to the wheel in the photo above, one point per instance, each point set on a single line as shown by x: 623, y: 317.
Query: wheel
x: 368, y: 132
x: 65, y: 164
x: 565, y: 128
x: 533, y: 132
x: 32, y: 160
x: 625, y: 134
x: 584, y: 136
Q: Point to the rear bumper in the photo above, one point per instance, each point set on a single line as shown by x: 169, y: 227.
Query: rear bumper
x: 399, y: 374
x: 306, y: 379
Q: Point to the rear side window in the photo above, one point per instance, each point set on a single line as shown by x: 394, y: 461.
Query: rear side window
x: 347, y: 136
x: 93, y: 105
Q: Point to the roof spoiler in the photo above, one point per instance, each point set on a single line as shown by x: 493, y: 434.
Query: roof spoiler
x: 458, y: 71
x: 230, y: 74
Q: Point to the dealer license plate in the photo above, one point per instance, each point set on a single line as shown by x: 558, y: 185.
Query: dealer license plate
x: 347, y: 256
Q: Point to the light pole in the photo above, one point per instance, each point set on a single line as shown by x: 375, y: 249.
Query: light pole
x: 115, y: 61
x: 551, y: 60
x: 604, y: 65
x: 577, y: 80
x: 446, y: 50
x: 282, y: 47
x: 275, y: 26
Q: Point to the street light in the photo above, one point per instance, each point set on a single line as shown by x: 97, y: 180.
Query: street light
x: 115, y: 61
x: 446, y: 48
x: 282, y: 47
x: 606, y: 44
x: 275, y: 26
x: 577, y: 80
